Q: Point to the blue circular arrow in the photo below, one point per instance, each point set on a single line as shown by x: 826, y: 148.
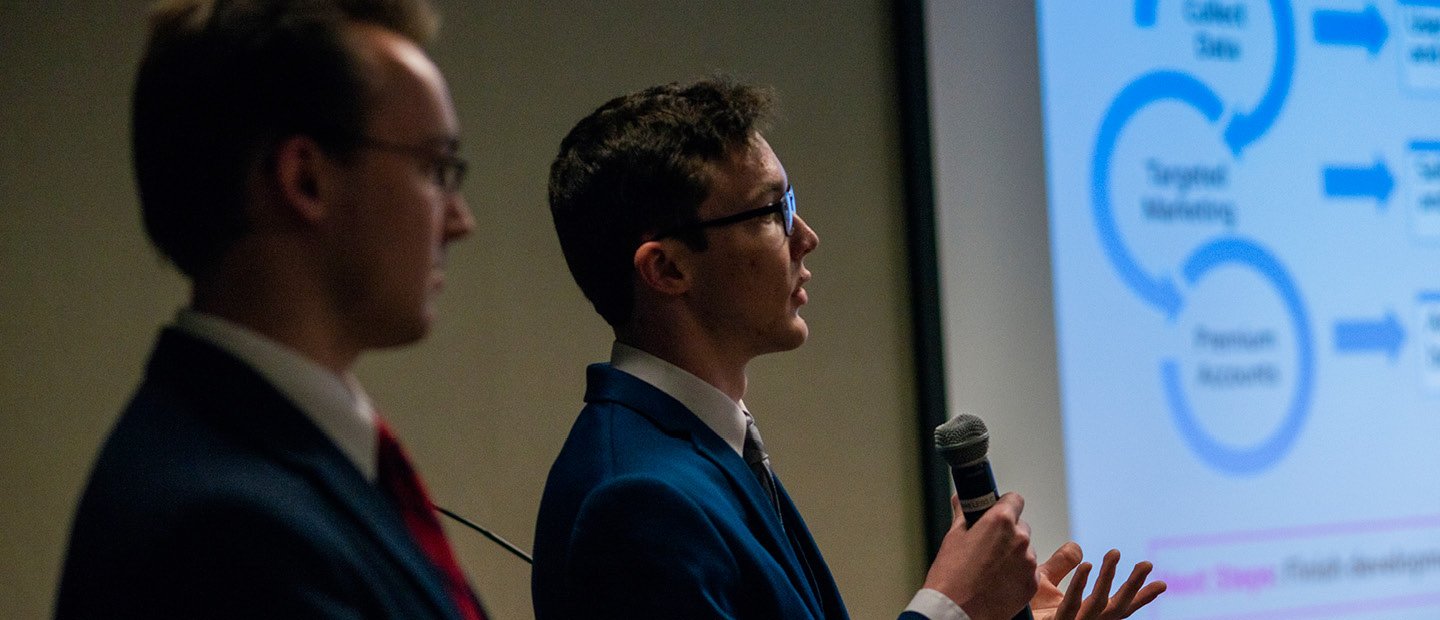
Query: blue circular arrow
x: 1246, y: 128
x: 1145, y: 90
x: 1261, y: 456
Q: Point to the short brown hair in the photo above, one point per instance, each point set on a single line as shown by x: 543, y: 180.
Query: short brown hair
x: 636, y: 166
x: 221, y: 83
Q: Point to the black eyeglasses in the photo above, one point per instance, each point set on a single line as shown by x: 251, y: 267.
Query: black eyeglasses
x: 785, y: 206
x: 448, y: 169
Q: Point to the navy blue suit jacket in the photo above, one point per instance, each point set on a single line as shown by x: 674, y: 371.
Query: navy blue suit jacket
x: 648, y: 513
x: 215, y: 497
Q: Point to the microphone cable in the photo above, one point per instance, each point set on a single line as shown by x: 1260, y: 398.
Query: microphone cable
x: 488, y: 534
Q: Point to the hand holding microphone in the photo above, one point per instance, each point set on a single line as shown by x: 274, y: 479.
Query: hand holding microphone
x: 985, y: 563
x: 986, y: 559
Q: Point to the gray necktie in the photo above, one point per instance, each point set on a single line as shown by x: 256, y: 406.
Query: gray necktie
x: 759, y: 461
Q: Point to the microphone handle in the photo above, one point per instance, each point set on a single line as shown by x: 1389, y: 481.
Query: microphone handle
x: 975, y: 488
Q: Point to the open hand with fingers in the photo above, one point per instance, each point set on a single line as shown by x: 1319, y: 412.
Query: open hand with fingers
x: 1051, y: 604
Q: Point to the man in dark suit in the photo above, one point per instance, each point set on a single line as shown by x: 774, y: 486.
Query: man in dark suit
x: 678, y: 222
x: 296, y: 161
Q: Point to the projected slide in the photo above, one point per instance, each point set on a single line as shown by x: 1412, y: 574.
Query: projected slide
x: 1245, y: 229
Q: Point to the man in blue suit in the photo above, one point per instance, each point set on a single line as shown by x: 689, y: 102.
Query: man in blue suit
x: 678, y: 222
x: 296, y: 161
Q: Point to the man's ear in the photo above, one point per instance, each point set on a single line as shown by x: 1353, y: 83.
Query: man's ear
x: 659, y: 266
x: 301, y: 167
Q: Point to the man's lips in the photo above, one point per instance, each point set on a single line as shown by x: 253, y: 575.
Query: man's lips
x: 799, y: 293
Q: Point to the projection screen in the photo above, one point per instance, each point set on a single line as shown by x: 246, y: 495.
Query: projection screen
x: 1189, y: 273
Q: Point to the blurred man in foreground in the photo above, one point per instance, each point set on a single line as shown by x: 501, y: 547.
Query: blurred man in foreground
x: 297, y: 161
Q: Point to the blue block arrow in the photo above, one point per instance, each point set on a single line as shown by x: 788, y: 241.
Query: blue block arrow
x: 1365, y: 29
x: 1350, y: 182
x: 1370, y: 336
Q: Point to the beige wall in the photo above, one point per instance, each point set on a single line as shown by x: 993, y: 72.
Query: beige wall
x: 486, y: 401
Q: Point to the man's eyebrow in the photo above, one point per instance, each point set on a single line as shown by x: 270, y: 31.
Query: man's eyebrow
x: 772, y: 188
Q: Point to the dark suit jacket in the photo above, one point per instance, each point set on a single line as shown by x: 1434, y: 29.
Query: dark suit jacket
x: 215, y: 497
x: 649, y: 514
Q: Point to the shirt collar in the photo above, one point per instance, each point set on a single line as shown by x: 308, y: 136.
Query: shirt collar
x: 335, y: 403
x: 724, y: 416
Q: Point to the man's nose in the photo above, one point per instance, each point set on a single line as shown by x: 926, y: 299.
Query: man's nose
x: 459, y: 222
x: 803, y: 239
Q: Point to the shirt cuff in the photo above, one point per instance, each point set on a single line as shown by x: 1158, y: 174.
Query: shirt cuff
x: 936, y: 606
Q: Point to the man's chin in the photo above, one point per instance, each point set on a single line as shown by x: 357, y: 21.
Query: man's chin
x: 402, y: 334
x: 794, y: 337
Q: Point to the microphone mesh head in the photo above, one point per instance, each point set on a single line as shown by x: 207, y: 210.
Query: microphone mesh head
x: 962, y: 440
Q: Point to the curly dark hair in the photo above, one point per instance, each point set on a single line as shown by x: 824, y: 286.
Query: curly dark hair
x: 638, y: 165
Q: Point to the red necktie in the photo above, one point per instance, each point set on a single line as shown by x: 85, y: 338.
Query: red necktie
x: 398, y: 478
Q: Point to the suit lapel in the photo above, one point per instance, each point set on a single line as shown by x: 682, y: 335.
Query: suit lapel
x: 816, y: 569
x: 379, y: 517
x: 607, y: 384
x: 241, y: 403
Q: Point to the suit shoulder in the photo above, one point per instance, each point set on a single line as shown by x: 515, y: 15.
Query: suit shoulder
x: 159, y: 455
x: 164, y: 472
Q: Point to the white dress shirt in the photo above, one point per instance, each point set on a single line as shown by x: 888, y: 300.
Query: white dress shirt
x: 727, y: 418
x: 335, y: 403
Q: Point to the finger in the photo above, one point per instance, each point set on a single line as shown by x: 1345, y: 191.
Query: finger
x: 1145, y: 597
x: 1100, y: 596
x: 959, y: 525
x: 1014, y: 501
x: 1020, y: 543
x: 1119, y: 605
x: 1064, y: 560
x: 1005, y: 512
x: 1070, y: 605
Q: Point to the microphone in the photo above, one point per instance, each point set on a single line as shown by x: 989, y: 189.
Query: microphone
x: 964, y: 443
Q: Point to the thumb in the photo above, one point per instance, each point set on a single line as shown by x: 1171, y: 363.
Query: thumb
x: 1064, y: 560
x: 957, y: 518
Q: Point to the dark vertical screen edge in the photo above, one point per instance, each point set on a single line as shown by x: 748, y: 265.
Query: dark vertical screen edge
x: 913, y: 92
